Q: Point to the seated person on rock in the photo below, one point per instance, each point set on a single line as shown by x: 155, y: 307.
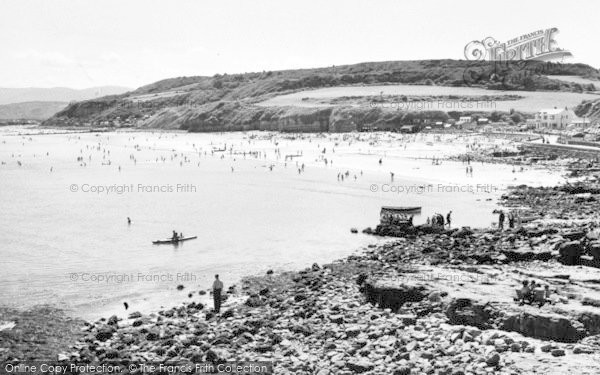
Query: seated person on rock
x: 524, y: 293
x: 538, y: 295
x: 548, y: 296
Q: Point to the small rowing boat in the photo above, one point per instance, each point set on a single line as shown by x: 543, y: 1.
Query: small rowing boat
x: 172, y: 241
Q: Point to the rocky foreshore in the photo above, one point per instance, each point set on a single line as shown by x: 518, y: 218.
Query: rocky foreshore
x: 427, y: 302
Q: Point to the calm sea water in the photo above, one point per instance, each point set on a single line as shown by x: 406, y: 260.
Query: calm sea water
x: 66, y: 240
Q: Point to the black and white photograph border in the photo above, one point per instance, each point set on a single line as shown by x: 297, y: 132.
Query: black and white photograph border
x: 299, y: 187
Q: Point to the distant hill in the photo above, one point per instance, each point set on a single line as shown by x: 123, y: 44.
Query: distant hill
x: 56, y: 94
x: 229, y: 101
x: 30, y: 110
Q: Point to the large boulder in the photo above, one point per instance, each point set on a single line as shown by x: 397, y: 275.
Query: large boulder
x: 594, y: 250
x: 546, y: 327
x: 570, y: 253
x: 391, y: 293
x: 465, y: 311
x: 590, y: 319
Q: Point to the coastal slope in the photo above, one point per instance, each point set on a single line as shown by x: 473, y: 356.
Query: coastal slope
x: 232, y: 102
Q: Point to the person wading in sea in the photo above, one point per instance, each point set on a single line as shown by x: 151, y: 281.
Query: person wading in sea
x: 217, y: 289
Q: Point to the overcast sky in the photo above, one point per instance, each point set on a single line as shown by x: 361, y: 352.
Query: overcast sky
x: 131, y: 43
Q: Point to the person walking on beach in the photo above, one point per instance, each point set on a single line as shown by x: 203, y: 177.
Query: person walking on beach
x: 217, y: 289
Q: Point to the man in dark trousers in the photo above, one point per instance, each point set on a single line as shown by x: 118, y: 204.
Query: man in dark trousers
x: 217, y: 289
x: 501, y: 220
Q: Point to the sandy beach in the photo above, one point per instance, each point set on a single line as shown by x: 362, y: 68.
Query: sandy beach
x: 91, y: 261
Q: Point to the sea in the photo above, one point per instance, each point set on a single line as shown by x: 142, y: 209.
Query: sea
x: 256, y: 201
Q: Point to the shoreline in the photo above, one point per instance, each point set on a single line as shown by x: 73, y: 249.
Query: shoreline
x: 412, y: 303
x: 280, y: 317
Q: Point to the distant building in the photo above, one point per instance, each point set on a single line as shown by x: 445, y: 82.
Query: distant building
x: 464, y: 120
x: 482, y: 121
x: 556, y: 118
x: 581, y: 123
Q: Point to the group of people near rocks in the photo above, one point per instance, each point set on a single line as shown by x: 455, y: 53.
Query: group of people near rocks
x: 511, y: 217
x: 437, y: 220
x: 534, y: 293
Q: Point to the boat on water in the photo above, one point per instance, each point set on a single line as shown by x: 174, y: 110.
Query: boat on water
x: 172, y: 241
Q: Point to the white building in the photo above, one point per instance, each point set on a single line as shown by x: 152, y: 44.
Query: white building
x: 556, y: 118
x: 466, y: 123
x: 464, y: 120
x: 580, y: 123
x: 531, y: 123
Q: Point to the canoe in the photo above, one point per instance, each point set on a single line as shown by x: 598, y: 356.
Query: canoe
x: 170, y: 241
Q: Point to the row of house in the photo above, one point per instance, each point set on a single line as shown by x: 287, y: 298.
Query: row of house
x: 545, y: 119
x: 557, y: 119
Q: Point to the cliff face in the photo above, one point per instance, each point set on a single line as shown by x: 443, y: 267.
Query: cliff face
x: 229, y: 102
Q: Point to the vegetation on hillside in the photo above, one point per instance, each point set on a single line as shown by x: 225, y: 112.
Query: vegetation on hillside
x: 589, y: 109
x: 202, y: 103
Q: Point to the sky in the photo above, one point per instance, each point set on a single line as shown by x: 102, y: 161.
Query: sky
x: 90, y: 43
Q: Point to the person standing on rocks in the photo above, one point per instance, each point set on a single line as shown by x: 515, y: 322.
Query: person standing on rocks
x: 217, y: 289
x: 449, y: 218
x: 501, y: 220
x: 511, y: 220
